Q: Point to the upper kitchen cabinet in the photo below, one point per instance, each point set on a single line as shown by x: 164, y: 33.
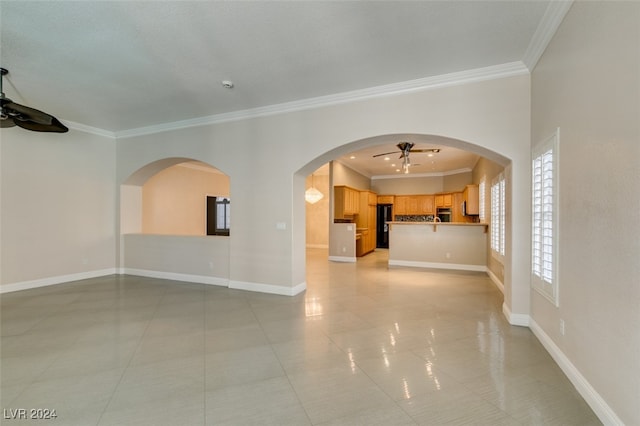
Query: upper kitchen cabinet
x: 413, y: 205
x: 386, y: 199
x: 444, y: 200
x: 425, y: 205
x: 471, y: 198
x: 346, y: 202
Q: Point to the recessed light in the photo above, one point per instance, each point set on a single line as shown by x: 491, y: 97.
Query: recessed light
x: 387, y: 158
x: 397, y: 170
x: 430, y: 154
x: 227, y: 84
x: 353, y: 157
x: 393, y: 165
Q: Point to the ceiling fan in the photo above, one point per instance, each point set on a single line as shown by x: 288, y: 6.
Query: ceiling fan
x: 13, y: 114
x: 406, y: 148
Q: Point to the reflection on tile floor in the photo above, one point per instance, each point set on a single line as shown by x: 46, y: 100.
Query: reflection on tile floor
x: 364, y: 345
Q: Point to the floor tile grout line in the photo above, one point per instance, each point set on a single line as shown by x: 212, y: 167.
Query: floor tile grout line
x: 124, y: 370
x: 275, y: 354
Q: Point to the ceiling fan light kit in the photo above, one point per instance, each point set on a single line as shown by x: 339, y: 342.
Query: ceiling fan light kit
x: 13, y: 114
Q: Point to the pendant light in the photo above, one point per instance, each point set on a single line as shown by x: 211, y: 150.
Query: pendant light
x: 312, y: 195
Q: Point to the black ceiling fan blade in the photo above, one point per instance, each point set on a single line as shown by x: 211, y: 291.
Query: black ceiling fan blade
x: 54, y: 127
x: 7, y: 122
x: 386, y: 153
x: 27, y: 113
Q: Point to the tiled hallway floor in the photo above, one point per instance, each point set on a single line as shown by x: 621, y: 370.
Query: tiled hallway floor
x: 364, y: 345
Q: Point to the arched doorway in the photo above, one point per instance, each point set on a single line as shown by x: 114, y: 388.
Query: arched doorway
x: 166, y: 214
x: 491, y: 165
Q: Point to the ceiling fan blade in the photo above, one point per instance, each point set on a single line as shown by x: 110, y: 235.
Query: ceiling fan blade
x: 54, y: 127
x: 7, y: 122
x: 434, y: 150
x: 26, y: 113
x: 386, y: 153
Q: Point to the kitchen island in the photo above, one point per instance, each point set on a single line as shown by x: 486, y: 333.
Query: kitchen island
x: 461, y: 246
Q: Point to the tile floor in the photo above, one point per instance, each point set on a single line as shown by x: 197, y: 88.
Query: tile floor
x: 364, y: 345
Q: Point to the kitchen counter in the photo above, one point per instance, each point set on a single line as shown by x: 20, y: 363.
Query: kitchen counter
x: 437, y: 224
x: 448, y: 245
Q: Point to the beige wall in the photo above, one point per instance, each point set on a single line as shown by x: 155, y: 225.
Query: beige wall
x: 587, y: 83
x: 58, y: 202
x: 459, y: 246
x: 456, y: 182
x: 202, y: 259
x: 344, y: 175
x: 487, y: 170
x: 421, y: 184
x: 174, y: 200
x: 317, y: 215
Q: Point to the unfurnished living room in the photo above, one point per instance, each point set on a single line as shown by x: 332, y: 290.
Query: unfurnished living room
x: 315, y: 213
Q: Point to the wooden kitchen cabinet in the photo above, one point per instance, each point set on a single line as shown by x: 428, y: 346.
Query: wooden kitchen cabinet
x: 456, y: 209
x: 413, y: 205
x: 425, y: 205
x: 366, y: 223
x: 386, y: 199
x: 372, y: 198
x: 346, y: 202
x: 400, y: 205
x: 471, y: 196
x: 444, y: 200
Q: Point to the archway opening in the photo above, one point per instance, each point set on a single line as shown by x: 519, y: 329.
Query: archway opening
x: 175, y: 221
x: 487, y: 167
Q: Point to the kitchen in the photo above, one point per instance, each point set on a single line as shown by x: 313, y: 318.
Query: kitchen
x: 424, y: 230
x: 437, y: 188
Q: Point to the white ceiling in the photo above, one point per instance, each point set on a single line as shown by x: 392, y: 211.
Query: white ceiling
x: 125, y: 65
x: 448, y: 160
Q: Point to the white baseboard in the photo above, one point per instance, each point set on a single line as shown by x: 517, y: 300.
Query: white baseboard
x: 521, y: 320
x: 318, y: 246
x: 496, y: 280
x: 43, y: 282
x: 342, y: 259
x: 606, y: 415
x: 435, y: 265
x: 268, y: 288
x: 200, y: 279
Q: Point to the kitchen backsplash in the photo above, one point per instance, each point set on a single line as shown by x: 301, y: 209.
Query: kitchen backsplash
x: 414, y: 218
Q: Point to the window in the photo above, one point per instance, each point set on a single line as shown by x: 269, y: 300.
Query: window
x: 481, y: 190
x: 218, y: 215
x: 498, y: 209
x: 543, y: 218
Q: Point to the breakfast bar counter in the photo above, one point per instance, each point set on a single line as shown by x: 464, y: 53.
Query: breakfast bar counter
x: 461, y: 246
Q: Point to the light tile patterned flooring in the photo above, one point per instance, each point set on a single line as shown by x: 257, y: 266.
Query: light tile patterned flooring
x: 364, y: 345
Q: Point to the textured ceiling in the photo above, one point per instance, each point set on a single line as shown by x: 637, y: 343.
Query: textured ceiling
x: 129, y: 64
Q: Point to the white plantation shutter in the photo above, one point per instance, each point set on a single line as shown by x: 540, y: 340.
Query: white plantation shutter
x: 498, y: 209
x: 481, y: 197
x: 543, y: 218
x: 502, y: 215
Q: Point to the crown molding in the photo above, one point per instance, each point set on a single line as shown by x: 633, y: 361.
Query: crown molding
x: 201, y: 168
x: 428, y: 83
x: 551, y: 20
x: 420, y: 175
x: 88, y: 129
